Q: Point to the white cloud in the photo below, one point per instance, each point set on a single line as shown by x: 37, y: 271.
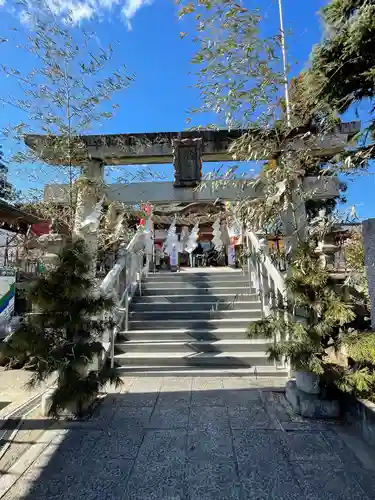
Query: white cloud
x: 82, y: 10
x: 131, y: 7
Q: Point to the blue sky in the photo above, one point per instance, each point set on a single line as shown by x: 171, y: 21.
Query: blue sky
x: 150, y: 45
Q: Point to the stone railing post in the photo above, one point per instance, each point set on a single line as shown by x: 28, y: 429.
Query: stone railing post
x: 368, y: 234
x: 90, y: 189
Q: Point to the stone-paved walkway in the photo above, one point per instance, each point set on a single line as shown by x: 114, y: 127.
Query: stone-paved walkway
x: 13, y: 391
x: 196, y: 439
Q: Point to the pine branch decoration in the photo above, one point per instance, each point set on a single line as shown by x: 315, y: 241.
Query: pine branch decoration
x: 63, y: 336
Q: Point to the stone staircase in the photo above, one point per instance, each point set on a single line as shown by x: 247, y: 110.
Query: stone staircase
x: 194, y: 322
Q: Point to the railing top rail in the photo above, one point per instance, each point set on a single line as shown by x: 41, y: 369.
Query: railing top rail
x: 275, y: 274
x: 109, y: 280
x: 133, y: 241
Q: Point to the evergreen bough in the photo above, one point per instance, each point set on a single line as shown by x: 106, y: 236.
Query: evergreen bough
x: 63, y: 334
x: 320, y: 336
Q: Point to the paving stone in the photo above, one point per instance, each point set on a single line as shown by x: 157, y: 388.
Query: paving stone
x: 207, y: 391
x: 76, y: 447
x: 91, y: 490
x: 126, y: 383
x: 99, y: 479
x: 259, y: 446
x: 307, y: 446
x: 84, y: 448
x: 102, y: 414
x: 156, y: 481
x: 215, y: 445
x: 365, y: 478
x: 175, y: 398
x: 140, y: 399
x: 209, y: 417
x: 276, y: 406
x: 214, y: 397
x: 128, y: 416
x: 320, y: 482
x: 338, y: 446
x: 147, y: 384
x: 143, y: 392
x: 212, y: 481
x: 163, y: 446
x: 206, y: 383
x: 118, y: 444
x: 240, y: 383
x: 307, y: 426
x: 175, y: 391
x: 231, y: 450
x: 176, y: 384
x: 243, y: 397
x: 240, y: 391
x: 252, y: 417
x: 169, y: 417
x: 272, y: 481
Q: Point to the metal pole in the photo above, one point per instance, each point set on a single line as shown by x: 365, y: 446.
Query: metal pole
x: 248, y: 261
x: 140, y: 276
x: 153, y: 253
x: 127, y: 311
x: 283, y: 52
x: 113, y: 348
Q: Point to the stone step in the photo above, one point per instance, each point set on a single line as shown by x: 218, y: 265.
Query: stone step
x: 218, y: 359
x: 193, y: 285
x: 228, y: 345
x: 184, y: 276
x: 160, y: 307
x: 255, y: 372
x: 190, y: 290
x: 180, y: 315
x: 183, y: 334
x: 193, y: 323
x: 191, y: 298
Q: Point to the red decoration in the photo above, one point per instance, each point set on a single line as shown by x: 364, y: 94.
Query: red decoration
x: 146, y: 209
x: 41, y: 228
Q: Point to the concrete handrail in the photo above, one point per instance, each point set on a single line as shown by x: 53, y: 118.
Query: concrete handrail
x: 123, y: 280
x: 261, y: 249
x: 269, y: 282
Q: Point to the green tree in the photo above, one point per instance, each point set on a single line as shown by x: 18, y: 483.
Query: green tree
x: 69, y: 90
x: 321, y: 336
x: 7, y: 191
x: 320, y: 315
x: 343, y: 66
x: 240, y: 78
x: 238, y: 70
x: 63, y: 335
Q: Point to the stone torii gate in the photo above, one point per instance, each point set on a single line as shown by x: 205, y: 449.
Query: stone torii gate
x: 186, y: 150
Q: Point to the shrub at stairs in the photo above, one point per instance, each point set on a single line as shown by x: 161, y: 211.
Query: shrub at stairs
x: 63, y: 335
x: 319, y: 337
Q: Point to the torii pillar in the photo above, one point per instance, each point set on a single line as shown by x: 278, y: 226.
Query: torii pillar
x: 89, y: 193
